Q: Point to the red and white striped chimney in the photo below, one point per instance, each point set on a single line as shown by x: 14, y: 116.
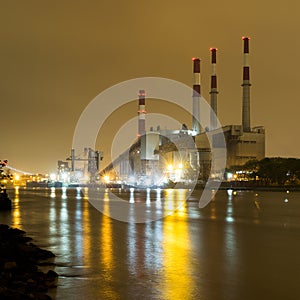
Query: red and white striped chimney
x: 196, y: 127
x: 246, y: 88
x: 141, y: 113
x: 213, y: 90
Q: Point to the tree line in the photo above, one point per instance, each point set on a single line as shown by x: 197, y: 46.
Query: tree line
x: 272, y: 171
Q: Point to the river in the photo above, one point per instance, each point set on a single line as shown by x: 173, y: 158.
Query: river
x: 243, y: 246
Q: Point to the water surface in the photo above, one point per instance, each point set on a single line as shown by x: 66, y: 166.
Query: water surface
x: 244, y: 246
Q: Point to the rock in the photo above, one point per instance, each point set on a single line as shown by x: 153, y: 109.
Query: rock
x: 19, y: 259
x: 10, y: 265
x: 5, y: 203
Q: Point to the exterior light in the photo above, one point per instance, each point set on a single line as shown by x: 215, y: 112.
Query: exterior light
x: 106, y: 178
x: 170, y: 167
x: 53, y: 176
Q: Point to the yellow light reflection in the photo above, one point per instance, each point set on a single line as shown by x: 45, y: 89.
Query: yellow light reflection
x: 106, y: 234
x: 87, y: 251
x: 178, y: 278
x: 180, y: 197
x: 107, y: 245
x: 16, y: 214
x: 213, y: 215
x: 169, y: 201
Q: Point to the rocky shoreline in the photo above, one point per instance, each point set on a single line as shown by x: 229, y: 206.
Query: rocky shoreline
x: 20, y: 277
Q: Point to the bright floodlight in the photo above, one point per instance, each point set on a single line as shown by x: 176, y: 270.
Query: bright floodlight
x: 53, y: 176
x: 106, y: 178
x: 170, y: 167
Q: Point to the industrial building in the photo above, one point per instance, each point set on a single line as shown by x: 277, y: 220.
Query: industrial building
x: 180, y: 155
x: 84, y: 168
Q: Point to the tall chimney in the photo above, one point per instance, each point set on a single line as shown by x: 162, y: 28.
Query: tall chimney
x: 196, y: 127
x: 141, y: 113
x: 72, y: 160
x: 213, y: 91
x: 246, y: 88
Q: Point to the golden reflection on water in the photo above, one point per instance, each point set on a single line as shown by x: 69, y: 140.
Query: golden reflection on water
x: 213, y: 215
x: 16, y: 214
x: 177, y: 245
x: 170, y: 201
x: 106, y: 243
x: 106, y: 235
x: 87, y: 249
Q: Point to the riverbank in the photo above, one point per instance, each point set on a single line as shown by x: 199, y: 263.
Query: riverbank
x: 248, y: 186
x: 20, y: 277
x: 244, y: 185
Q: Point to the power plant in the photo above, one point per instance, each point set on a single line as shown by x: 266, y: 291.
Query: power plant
x: 159, y: 156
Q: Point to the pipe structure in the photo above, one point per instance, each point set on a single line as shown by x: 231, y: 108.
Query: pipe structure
x: 246, y: 88
x: 213, y: 91
x: 196, y: 127
x: 141, y: 113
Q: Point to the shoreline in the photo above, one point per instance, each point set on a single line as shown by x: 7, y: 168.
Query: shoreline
x: 223, y: 186
x: 20, y: 262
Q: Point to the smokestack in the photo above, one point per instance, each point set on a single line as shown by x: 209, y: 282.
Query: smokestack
x: 196, y: 127
x: 213, y: 91
x: 72, y: 160
x: 141, y: 113
x: 246, y: 88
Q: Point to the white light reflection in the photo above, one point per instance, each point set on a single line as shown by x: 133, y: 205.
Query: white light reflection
x: 64, y: 212
x: 131, y: 199
x: 64, y: 193
x: 229, y: 192
x: 229, y: 212
x: 78, y: 227
x: 132, y: 247
x: 231, y: 255
x: 78, y: 194
x: 148, y: 198
x: 152, y: 250
x: 52, y: 194
x: 52, y: 217
x: 64, y: 227
x: 158, y: 198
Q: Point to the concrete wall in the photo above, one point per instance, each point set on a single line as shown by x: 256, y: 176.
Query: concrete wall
x: 244, y: 146
x: 241, y: 146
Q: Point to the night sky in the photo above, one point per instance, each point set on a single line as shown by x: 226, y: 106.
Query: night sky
x: 56, y: 56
